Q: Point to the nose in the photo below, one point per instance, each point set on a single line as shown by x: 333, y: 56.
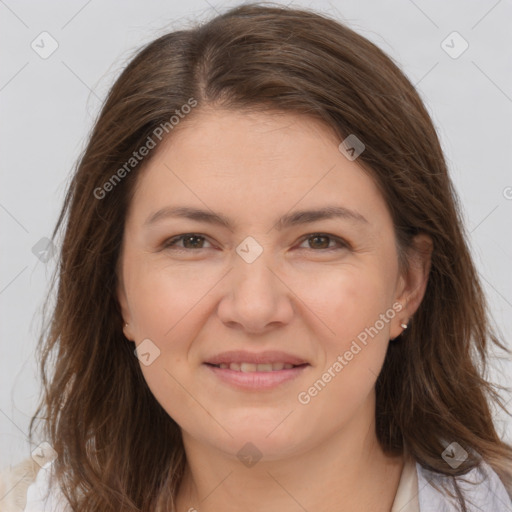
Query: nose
x: 255, y: 298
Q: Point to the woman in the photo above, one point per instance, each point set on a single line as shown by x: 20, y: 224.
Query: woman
x: 266, y: 299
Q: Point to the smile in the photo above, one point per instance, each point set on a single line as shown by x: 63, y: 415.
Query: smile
x: 252, y: 367
x: 255, y: 377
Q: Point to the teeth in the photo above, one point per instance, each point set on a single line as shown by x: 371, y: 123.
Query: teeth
x: 252, y: 367
x: 248, y: 367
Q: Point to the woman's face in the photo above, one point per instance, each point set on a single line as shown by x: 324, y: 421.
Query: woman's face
x: 263, y: 293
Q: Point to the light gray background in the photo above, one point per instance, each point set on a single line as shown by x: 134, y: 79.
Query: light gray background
x: 48, y: 107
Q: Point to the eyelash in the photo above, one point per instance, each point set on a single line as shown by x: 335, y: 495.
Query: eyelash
x: 171, y: 242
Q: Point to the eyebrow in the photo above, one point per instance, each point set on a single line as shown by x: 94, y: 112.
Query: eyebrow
x: 288, y: 220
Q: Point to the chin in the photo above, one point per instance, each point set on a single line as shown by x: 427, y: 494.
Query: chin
x: 259, y: 438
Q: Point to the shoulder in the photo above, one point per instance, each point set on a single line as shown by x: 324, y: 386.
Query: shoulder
x: 14, y: 484
x: 481, y: 488
x: 26, y: 488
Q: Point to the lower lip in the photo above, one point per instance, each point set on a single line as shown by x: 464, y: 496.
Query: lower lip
x: 256, y: 380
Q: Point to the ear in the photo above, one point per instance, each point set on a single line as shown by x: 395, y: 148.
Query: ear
x: 413, y: 283
x: 123, y: 305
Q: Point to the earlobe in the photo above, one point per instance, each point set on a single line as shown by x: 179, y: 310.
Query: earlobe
x: 413, y: 284
x: 403, y: 322
x: 127, y: 332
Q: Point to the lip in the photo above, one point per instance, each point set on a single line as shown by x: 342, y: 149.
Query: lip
x: 256, y: 381
x: 265, y: 357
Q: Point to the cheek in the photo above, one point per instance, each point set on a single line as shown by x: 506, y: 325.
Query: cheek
x: 163, y: 297
x: 166, y: 309
x: 165, y: 305
x: 346, y: 300
x: 351, y: 302
x: 351, y: 357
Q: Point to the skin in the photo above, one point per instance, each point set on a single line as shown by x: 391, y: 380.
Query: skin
x: 304, y: 296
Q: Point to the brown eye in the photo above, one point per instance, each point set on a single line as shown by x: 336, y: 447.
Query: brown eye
x: 190, y: 241
x: 321, y: 241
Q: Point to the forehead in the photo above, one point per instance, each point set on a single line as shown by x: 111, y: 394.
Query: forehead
x: 250, y: 164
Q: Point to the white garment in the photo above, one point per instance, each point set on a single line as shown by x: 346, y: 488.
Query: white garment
x: 481, y: 488
x: 415, y: 492
x: 406, y: 498
x: 40, y: 498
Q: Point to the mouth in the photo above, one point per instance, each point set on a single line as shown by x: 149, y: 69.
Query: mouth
x: 253, y: 367
x: 255, y: 372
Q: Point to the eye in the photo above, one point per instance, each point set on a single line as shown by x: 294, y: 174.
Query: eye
x: 321, y: 241
x: 190, y: 241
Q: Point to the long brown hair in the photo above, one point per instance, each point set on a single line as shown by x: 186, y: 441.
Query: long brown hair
x: 117, y: 448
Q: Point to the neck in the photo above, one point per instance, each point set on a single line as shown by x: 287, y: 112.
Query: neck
x: 348, y: 472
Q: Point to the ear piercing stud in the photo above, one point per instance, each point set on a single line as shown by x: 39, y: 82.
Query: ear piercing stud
x: 403, y: 326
